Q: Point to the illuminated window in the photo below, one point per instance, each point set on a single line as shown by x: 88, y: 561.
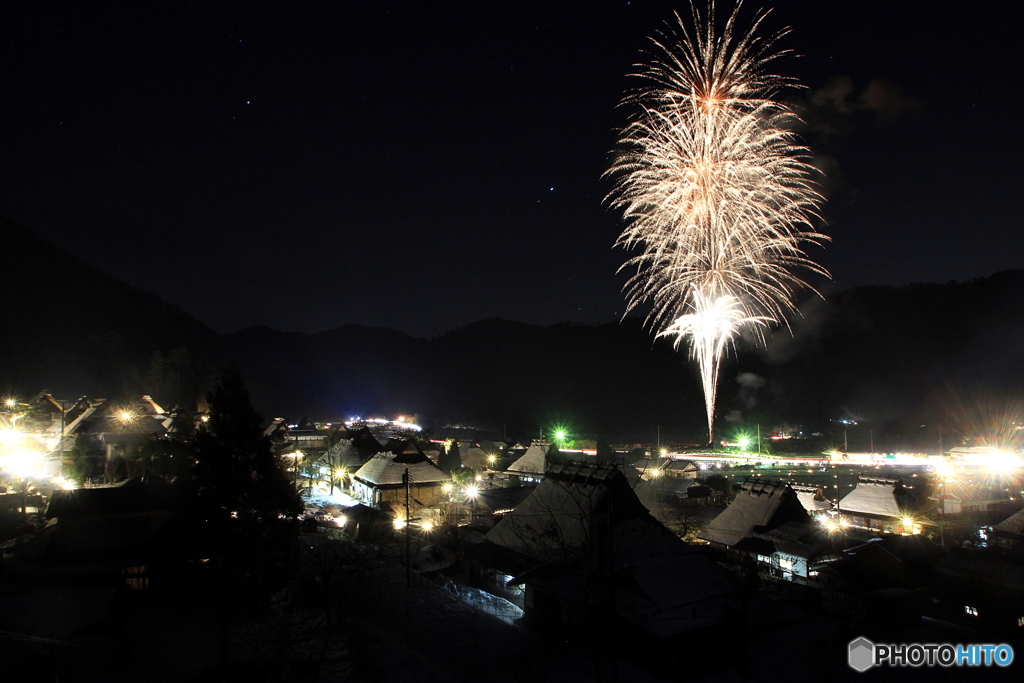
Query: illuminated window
x: 971, y: 611
x: 786, y: 564
x: 135, y: 578
x: 1020, y: 621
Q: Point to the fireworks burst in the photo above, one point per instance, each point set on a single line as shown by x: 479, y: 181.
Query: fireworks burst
x: 716, y: 191
x: 712, y: 325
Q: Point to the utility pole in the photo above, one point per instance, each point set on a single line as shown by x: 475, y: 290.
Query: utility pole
x: 838, y: 513
x: 60, y: 443
x: 942, y: 512
x: 408, y: 548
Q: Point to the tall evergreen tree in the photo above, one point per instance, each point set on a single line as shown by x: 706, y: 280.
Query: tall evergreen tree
x: 236, y: 471
x: 450, y: 458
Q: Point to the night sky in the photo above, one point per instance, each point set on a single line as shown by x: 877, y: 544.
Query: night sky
x: 424, y: 165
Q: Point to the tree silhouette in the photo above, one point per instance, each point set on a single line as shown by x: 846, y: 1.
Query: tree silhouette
x: 240, y: 507
x: 450, y: 458
x: 236, y: 472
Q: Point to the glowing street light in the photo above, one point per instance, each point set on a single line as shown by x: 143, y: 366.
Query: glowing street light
x: 63, y: 483
x: 23, y: 465
x: 9, y: 437
x: 1001, y: 462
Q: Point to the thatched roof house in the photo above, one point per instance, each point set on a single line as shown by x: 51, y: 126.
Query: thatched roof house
x: 382, y: 480
x: 759, y: 506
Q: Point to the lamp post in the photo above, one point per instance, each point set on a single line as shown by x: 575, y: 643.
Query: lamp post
x: 60, y: 441
x: 295, y: 456
x: 945, y: 473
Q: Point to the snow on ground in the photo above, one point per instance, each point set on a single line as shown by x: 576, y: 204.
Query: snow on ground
x: 485, y: 602
x: 321, y: 498
x: 424, y: 634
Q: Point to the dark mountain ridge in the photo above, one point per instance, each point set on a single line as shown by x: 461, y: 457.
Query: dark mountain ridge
x: 71, y: 328
x: 898, y: 355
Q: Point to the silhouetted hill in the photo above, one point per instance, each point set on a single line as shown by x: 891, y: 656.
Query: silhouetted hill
x: 71, y: 328
x: 493, y: 373
x: 353, y: 370
x: 905, y: 358
x: 899, y: 357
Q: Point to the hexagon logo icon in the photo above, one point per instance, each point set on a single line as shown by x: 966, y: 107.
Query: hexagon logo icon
x: 861, y: 654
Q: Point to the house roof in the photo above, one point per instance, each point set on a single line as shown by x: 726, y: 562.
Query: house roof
x: 794, y: 538
x: 878, y: 497
x: 533, y: 461
x: 757, y: 505
x: 985, y: 572
x: 277, y: 424
x: 388, y: 468
x: 672, y: 485
x: 82, y: 413
x: 558, y: 521
x: 1014, y: 524
x: 504, y: 498
x: 813, y: 499
x: 113, y: 429
x: 905, y: 548
x: 755, y: 545
x: 474, y: 457
x: 364, y: 442
x: 139, y: 494
x: 646, y: 465
x: 976, y: 494
x: 669, y: 589
x: 147, y: 406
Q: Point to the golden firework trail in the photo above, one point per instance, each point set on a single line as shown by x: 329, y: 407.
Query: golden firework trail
x: 717, y: 193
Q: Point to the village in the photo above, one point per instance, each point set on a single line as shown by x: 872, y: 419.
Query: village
x: 557, y: 559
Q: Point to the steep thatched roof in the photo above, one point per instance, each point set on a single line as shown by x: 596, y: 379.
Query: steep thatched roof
x: 560, y: 521
x: 388, y: 468
x: 533, y: 462
x: 757, y: 507
x: 877, y: 498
